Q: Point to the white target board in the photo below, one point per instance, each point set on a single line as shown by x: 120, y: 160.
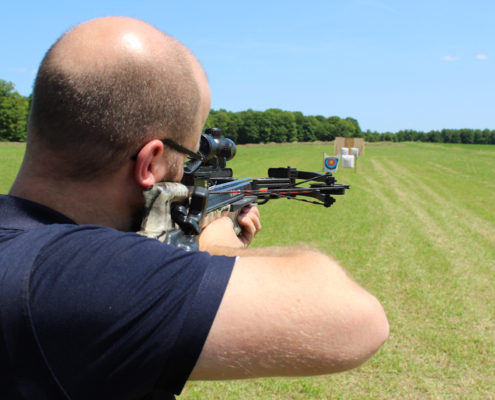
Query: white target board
x: 344, y: 151
x: 347, y: 161
x: 354, y: 151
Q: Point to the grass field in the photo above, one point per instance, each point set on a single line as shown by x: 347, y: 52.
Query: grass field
x: 10, y: 160
x: 417, y: 229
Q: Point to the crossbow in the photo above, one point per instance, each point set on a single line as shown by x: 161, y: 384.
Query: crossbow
x: 175, y: 213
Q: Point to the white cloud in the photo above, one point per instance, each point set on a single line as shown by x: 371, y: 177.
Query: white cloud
x: 450, y: 58
x: 19, y: 70
x: 482, y: 57
x: 34, y: 71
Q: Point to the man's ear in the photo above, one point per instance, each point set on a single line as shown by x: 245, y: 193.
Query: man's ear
x: 150, y: 164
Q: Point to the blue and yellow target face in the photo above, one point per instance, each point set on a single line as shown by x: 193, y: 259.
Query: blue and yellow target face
x: 331, y: 162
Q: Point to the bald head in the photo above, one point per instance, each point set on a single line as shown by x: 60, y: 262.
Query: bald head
x: 109, y: 86
x: 106, y: 42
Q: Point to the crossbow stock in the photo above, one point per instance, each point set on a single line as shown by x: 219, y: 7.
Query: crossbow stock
x: 175, y: 213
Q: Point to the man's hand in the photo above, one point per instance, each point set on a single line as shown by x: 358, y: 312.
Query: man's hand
x: 219, y: 236
x: 250, y: 222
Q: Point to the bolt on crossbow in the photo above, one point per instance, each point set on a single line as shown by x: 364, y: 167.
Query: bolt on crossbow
x: 175, y: 213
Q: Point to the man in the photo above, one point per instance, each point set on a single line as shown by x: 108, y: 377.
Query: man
x: 90, y: 310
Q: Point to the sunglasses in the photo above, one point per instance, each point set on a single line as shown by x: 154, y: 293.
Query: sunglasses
x: 191, y: 154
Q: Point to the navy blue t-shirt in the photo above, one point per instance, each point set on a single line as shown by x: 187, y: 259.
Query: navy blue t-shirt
x: 88, y: 312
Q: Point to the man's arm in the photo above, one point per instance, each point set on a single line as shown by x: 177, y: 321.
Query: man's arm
x: 288, y: 312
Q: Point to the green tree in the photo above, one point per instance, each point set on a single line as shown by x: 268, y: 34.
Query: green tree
x: 479, y: 138
x: 343, y: 128
x: 248, y: 128
x: 283, y: 126
x: 333, y: 127
x: 446, y: 135
x: 388, y: 137
x: 299, y: 118
x: 320, y: 131
x: 233, y: 127
x: 356, y: 129
x: 467, y: 136
x: 265, y: 123
x: 13, y: 113
x: 486, y: 136
x: 308, y: 130
x: 222, y: 121
x: 435, y: 137
x: 289, y: 126
x: 421, y: 136
x: 325, y: 130
x: 371, y: 136
x: 456, y: 136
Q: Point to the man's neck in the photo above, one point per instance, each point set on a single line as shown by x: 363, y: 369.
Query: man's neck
x: 112, y: 202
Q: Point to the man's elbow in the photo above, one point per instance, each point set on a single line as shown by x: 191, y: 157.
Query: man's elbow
x: 367, y: 331
x: 378, y: 328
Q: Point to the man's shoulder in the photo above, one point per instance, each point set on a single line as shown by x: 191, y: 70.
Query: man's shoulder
x: 24, y: 223
x: 22, y: 214
x: 76, y: 238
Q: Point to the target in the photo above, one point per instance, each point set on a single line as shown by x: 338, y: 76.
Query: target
x: 331, y: 163
x: 347, y: 161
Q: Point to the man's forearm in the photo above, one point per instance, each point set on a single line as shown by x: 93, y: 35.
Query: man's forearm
x: 293, y: 315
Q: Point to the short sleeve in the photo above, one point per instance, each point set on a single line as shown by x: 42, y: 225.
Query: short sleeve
x: 116, y: 313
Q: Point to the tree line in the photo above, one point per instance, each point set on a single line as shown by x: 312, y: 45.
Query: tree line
x: 467, y: 136
x: 250, y: 126
x: 279, y: 126
x: 275, y: 125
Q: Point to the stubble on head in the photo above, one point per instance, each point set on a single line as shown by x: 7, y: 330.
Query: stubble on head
x: 105, y: 89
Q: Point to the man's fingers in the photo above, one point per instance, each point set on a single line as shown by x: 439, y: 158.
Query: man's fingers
x: 248, y: 228
x: 254, y: 216
x: 251, y: 209
x: 249, y: 219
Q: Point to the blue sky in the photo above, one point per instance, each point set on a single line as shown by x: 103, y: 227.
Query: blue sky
x: 390, y: 64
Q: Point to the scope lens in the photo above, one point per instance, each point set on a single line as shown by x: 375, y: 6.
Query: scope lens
x: 226, y: 149
x: 208, y: 146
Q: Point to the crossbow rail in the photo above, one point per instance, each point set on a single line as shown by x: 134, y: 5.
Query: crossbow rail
x: 282, y: 183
